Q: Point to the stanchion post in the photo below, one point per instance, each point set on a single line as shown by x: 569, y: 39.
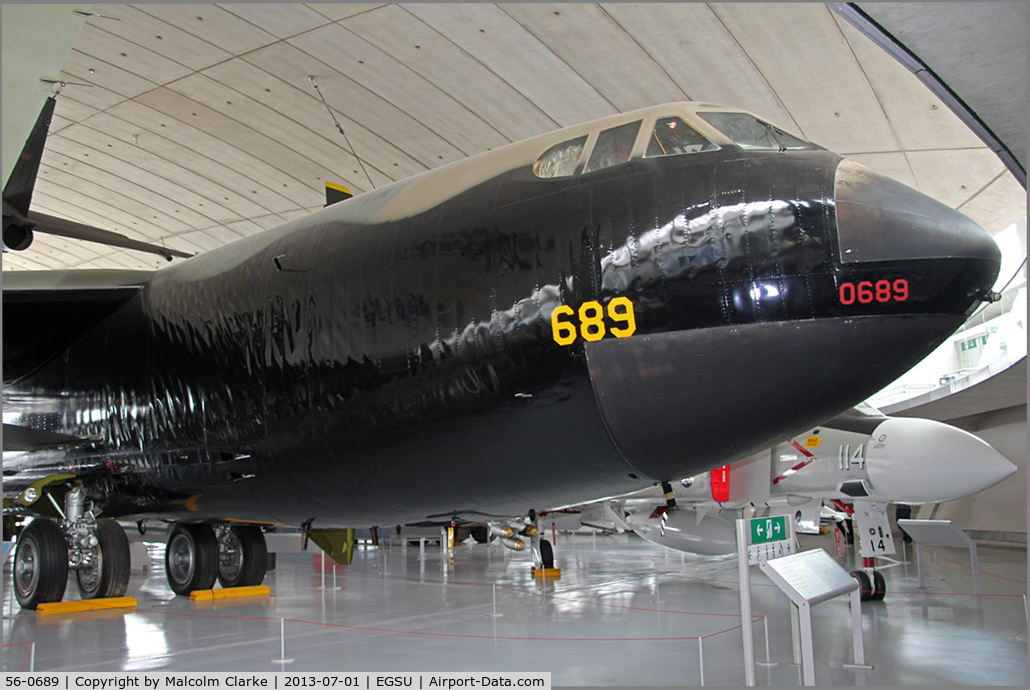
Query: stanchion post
x: 768, y: 661
x: 701, y: 657
x: 975, y: 562
x: 32, y: 657
x: 282, y: 644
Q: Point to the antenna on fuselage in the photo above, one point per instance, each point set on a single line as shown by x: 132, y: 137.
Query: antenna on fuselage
x: 336, y: 122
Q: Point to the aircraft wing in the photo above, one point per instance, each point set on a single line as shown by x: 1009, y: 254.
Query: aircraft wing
x: 22, y: 438
x: 52, y: 225
x: 45, y: 312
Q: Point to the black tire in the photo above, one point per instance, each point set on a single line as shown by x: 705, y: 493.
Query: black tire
x: 865, y: 587
x: 40, y: 564
x: 546, y: 554
x: 879, y: 587
x: 243, y: 561
x: 481, y: 533
x: 109, y: 575
x: 191, y: 558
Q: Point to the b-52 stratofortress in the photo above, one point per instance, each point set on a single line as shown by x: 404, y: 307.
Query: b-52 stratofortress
x: 577, y: 315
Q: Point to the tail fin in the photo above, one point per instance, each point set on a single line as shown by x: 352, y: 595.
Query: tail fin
x: 335, y: 193
x: 18, y: 190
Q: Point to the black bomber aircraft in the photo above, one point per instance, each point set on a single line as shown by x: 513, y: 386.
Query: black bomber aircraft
x: 578, y: 315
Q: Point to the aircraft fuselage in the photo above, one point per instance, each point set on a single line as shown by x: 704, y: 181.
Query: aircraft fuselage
x: 396, y: 357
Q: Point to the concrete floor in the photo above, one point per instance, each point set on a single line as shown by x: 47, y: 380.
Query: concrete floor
x: 624, y: 613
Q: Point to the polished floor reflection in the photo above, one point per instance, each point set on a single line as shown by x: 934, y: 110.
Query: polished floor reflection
x: 625, y: 612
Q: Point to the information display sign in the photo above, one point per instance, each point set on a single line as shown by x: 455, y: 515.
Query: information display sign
x: 770, y: 537
x: 768, y: 529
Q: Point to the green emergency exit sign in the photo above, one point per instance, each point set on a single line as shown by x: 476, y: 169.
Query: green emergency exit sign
x: 768, y: 529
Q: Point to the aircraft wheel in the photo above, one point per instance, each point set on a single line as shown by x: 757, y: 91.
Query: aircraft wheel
x: 40, y: 564
x: 108, y: 575
x: 242, y: 557
x: 879, y: 587
x: 865, y: 587
x: 546, y: 554
x: 481, y: 533
x: 191, y: 558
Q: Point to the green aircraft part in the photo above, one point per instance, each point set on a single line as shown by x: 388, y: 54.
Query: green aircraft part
x: 338, y: 544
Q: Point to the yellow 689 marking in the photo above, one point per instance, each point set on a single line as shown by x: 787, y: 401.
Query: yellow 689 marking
x: 591, y: 321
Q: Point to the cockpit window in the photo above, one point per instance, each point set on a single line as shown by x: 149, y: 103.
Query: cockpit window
x: 672, y: 136
x: 561, y: 159
x: 748, y: 132
x: 613, y: 146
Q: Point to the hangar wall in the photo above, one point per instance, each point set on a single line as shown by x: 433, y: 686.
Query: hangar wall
x: 1001, y: 508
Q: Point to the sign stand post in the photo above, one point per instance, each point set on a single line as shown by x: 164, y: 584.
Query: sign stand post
x: 758, y: 540
x: 745, y: 602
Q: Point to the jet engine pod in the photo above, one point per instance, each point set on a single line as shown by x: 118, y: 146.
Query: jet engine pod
x: 923, y: 461
x: 17, y: 237
x: 713, y: 536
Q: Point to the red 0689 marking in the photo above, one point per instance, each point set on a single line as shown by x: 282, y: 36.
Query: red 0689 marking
x: 880, y: 291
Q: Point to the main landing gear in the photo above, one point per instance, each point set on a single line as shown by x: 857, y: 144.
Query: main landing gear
x: 96, y: 549
x: 197, y: 555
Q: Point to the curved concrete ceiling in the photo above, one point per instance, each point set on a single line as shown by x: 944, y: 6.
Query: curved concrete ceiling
x: 973, y: 55
x: 203, y: 127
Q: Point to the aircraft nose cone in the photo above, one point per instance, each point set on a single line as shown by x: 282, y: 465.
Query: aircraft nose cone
x: 923, y: 461
x: 880, y: 219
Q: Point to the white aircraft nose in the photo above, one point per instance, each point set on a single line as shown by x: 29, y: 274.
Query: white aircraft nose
x: 924, y: 461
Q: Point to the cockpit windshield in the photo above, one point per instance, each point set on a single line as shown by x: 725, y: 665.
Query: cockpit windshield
x: 672, y: 136
x: 748, y: 132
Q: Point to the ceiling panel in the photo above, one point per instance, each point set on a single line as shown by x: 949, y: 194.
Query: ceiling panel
x: 401, y: 86
x: 100, y: 44
x: 282, y: 21
x: 255, y: 154
x: 174, y: 194
x: 167, y: 40
x: 342, y: 10
x: 249, y: 117
x: 600, y: 51
x: 692, y: 45
x: 109, y: 83
x: 999, y: 205
x: 357, y: 104
x: 919, y: 118
x: 69, y: 110
x: 207, y: 163
x: 440, y: 62
x: 804, y: 57
x: 310, y: 119
x: 212, y: 24
x: 510, y: 51
x: 953, y: 177
x: 93, y: 98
